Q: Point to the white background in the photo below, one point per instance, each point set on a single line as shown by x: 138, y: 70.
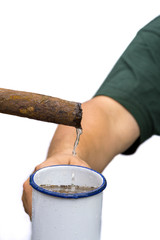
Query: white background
x: 65, y: 49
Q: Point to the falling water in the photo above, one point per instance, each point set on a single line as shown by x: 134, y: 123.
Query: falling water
x: 79, y: 132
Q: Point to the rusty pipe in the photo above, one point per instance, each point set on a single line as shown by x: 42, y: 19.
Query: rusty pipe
x: 40, y: 107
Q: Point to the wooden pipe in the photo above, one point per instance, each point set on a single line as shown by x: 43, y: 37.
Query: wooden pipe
x: 40, y: 107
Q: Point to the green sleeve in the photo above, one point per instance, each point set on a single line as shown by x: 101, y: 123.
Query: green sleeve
x: 135, y: 81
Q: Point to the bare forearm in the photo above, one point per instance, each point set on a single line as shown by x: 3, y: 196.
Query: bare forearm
x: 93, y: 141
x: 108, y: 129
x: 63, y: 140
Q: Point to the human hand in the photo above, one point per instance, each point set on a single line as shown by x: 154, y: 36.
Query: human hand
x: 55, y: 159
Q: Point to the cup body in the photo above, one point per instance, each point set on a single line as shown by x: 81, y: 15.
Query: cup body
x: 59, y: 216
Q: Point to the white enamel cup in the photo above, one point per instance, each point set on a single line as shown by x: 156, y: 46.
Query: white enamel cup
x: 61, y: 216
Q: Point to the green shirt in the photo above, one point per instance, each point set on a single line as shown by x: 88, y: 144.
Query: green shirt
x: 135, y: 81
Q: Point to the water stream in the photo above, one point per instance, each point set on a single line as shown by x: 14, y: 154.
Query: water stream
x: 79, y: 132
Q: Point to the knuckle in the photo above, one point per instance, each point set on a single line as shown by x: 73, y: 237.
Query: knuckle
x: 37, y: 167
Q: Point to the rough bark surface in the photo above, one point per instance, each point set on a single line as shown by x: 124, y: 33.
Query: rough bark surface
x: 40, y: 107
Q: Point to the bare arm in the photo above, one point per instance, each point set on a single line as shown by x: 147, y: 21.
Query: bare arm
x: 108, y: 129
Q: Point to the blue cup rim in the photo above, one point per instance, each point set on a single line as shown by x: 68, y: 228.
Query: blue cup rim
x: 66, y: 195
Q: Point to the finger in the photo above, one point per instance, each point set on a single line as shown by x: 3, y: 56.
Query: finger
x: 27, y: 198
